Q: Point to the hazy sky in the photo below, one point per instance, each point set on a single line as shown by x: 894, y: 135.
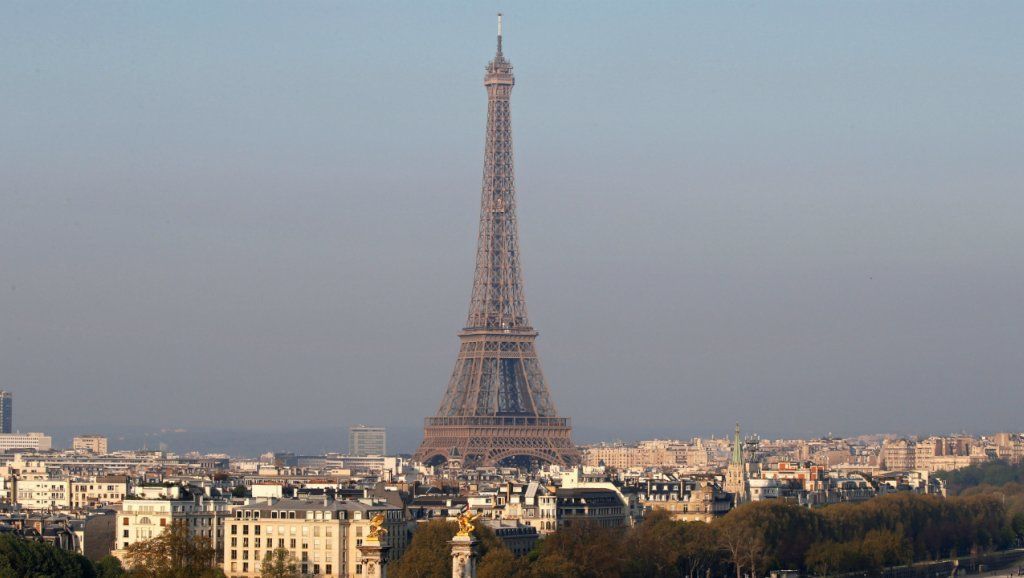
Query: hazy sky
x: 805, y: 216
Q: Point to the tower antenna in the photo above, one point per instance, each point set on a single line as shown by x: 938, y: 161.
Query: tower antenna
x: 499, y: 32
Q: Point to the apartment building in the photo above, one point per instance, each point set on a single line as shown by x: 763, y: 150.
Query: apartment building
x: 322, y: 536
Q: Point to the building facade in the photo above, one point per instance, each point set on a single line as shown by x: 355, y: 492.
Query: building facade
x: 142, y: 519
x: 323, y: 538
x: 604, y: 507
x: 364, y: 440
x: 34, y: 486
x: 90, y: 443
x: 29, y: 441
x: 98, y: 492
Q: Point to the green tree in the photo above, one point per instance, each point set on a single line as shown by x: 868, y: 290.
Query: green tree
x: 429, y: 554
x: 175, y: 553
x: 654, y: 548
x: 993, y: 473
x: 742, y: 538
x: 20, y: 557
x: 500, y: 563
x: 109, y: 567
x: 829, y: 557
x: 700, y: 549
x: 279, y: 563
x: 583, y: 550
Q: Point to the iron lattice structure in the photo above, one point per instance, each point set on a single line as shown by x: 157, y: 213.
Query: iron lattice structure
x: 497, y: 408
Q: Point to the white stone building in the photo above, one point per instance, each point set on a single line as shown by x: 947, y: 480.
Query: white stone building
x: 322, y: 536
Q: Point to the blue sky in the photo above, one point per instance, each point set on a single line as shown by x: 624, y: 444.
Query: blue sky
x: 805, y: 216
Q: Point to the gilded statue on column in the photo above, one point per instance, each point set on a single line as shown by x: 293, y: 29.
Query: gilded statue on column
x: 466, y: 526
x: 377, y: 529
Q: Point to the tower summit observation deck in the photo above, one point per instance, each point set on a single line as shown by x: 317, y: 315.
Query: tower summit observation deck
x: 497, y: 408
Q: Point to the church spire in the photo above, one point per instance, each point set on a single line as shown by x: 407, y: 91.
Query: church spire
x: 737, y: 447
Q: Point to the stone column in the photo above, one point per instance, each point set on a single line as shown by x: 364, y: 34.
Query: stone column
x: 373, y: 556
x: 464, y: 556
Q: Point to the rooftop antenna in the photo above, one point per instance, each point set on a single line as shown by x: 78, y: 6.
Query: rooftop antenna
x: 499, y: 32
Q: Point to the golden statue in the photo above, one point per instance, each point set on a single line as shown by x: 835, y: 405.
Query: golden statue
x: 466, y: 526
x: 377, y: 529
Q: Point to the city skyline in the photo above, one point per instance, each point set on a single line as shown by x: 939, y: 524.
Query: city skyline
x: 258, y: 224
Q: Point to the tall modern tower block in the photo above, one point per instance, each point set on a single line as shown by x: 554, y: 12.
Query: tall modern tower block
x: 6, y: 412
x: 497, y: 408
x: 364, y: 440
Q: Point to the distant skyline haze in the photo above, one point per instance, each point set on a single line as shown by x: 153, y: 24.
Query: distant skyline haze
x: 805, y: 217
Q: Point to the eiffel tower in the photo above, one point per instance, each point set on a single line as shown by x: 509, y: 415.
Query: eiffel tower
x: 497, y: 409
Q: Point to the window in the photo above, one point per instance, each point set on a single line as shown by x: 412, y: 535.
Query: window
x: 359, y: 568
x: 327, y: 569
x: 245, y: 529
x: 316, y: 568
x: 293, y: 542
x: 234, y: 529
x: 126, y: 533
x: 126, y: 521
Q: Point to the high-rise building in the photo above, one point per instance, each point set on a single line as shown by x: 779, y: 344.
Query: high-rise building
x: 497, y: 408
x: 364, y: 440
x: 6, y: 412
